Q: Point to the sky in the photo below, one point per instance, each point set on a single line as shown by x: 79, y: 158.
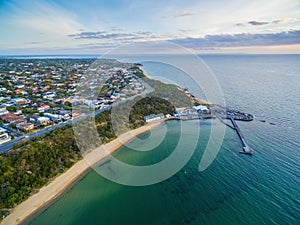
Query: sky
x: 98, y: 26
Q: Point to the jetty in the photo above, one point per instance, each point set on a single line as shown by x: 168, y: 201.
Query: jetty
x: 216, y: 111
x: 246, y: 149
x: 222, y: 121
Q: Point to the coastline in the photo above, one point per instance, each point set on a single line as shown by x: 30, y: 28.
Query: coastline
x: 62, y: 182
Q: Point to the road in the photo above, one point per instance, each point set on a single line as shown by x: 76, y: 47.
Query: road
x: 7, y: 146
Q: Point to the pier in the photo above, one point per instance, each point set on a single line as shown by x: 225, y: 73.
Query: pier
x: 246, y: 148
x: 222, y: 116
x: 222, y: 121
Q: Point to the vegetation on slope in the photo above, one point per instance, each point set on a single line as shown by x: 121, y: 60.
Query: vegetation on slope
x: 27, y: 167
x: 30, y: 165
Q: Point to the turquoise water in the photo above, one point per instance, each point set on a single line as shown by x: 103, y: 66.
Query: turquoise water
x: 235, y: 189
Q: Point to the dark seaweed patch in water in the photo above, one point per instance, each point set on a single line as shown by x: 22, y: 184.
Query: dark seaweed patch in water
x: 187, y: 221
x: 205, y: 123
x: 144, y: 136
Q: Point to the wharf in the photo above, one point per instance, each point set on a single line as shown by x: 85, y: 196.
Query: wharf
x: 246, y: 148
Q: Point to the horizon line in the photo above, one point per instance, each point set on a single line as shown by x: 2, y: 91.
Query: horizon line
x: 76, y: 54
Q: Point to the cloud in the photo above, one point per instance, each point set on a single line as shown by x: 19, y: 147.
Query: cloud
x: 185, y: 30
x: 184, y: 14
x: 118, y: 38
x: 257, y: 23
x: 282, y: 21
x: 240, y: 24
x: 96, y: 45
x: 238, y: 40
x: 117, y: 29
x: 33, y: 43
x: 260, y: 23
x: 89, y: 35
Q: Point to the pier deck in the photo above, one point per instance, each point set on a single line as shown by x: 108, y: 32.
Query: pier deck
x: 246, y: 148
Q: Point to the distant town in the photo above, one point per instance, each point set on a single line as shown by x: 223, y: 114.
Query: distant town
x: 36, y: 94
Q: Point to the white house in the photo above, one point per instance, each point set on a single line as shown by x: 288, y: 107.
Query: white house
x: 53, y: 117
x: 42, y: 121
x: 4, y: 137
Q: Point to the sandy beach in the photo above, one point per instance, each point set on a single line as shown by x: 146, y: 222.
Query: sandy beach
x: 61, y: 183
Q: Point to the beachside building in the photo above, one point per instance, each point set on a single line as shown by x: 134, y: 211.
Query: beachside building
x: 187, y: 114
x: 4, y: 137
x: 179, y: 111
x: 168, y: 116
x: 153, y: 117
x: 201, y: 108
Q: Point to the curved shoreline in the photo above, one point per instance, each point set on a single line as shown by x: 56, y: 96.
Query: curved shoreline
x: 61, y: 183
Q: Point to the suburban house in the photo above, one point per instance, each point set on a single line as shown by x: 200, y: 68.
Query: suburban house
x: 40, y: 120
x: 43, y: 121
x: 24, y: 126
x: 4, y: 137
x: 11, y: 118
x: 20, y: 91
x: 20, y: 101
x: 3, y: 110
x: 53, y: 117
x: 65, y: 115
x: 42, y: 107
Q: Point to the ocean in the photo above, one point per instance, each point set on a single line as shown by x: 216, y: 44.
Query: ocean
x: 235, y: 188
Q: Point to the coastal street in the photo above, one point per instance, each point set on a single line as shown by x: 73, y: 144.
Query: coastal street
x: 7, y: 146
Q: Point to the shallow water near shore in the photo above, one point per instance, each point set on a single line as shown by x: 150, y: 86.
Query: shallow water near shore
x: 231, y: 190
x: 234, y: 189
